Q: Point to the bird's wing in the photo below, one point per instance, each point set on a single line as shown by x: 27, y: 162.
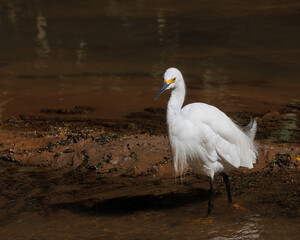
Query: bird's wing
x: 228, y: 153
x: 218, y: 148
x: 217, y: 133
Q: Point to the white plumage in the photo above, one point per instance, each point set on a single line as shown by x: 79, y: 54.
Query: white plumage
x: 206, y: 139
x: 203, y: 137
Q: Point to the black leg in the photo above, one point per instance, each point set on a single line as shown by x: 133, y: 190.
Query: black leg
x: 211, y: 198
x: 227, y: 182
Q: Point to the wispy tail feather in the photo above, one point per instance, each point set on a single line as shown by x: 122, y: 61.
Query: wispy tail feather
x: 250, y: 129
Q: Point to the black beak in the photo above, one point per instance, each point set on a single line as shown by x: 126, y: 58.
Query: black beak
x: 162, y: 89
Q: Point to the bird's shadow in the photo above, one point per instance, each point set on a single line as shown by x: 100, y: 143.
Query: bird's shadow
x: 129, y: 205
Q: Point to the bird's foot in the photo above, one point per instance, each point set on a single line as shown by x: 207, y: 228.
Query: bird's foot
x: 205, y: 220
x: 208, y: 214
x: 237, y: 206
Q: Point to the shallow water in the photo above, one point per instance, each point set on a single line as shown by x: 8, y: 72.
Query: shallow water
x: 111, y: 55
x: 41, y: 204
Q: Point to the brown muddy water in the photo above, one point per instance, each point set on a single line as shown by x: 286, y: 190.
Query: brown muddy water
x: 84, y: 152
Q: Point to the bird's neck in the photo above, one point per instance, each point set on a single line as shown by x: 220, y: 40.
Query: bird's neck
x: 175, y: 102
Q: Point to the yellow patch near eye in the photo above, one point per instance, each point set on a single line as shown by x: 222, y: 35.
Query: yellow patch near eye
x: 170, y: 81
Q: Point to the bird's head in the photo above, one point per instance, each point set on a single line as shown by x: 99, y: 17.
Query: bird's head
x: 171, y: 77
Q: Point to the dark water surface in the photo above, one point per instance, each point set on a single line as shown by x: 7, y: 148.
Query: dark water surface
x: 111, y: 55
x: 45, y: 204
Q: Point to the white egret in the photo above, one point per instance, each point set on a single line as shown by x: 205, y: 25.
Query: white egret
x: 204, y: 138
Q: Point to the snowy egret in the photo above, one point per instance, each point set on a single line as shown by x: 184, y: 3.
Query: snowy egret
x: 204, y: 138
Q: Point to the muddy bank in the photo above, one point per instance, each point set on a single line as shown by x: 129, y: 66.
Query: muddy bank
x: 66, y: 138
x: 66, y: 175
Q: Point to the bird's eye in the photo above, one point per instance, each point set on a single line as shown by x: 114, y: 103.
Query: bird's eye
x: 172, y: 80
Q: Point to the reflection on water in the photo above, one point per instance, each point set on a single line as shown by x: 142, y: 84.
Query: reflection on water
x: 81, y: 53
x: 161, y: 24
x: 249, y: 229
x: 168, y: 44
x: 61, y: 92
x: 42, y: 48
x: 214, y: 85
x: 11, y: 12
